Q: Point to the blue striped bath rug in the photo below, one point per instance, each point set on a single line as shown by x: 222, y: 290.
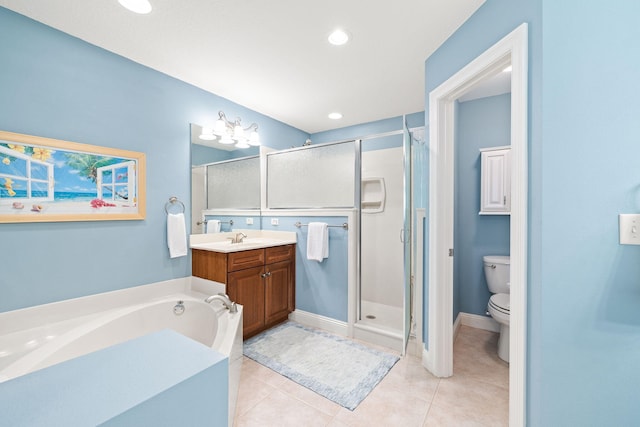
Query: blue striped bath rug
x: 339, y: 369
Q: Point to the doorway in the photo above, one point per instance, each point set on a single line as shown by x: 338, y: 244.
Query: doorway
x: 438, y: 358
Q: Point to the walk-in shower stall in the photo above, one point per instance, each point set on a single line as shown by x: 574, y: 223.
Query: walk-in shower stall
x: 385, y: 308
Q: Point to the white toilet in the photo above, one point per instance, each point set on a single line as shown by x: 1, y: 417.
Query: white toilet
x: 497, y: 273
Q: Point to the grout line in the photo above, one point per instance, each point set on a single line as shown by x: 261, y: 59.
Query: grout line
x: 249, y: 409
x: 430, y: 403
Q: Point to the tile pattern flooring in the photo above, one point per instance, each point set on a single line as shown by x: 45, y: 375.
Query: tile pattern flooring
x: 477, y: 394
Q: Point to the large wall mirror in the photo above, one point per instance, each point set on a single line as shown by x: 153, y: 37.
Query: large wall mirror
x: 225, y: 183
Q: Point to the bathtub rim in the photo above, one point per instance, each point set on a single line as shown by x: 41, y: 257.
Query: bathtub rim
x: 32, y: 360
x: 53, y: 312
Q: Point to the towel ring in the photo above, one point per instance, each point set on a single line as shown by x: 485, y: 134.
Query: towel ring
x: 172, y: 202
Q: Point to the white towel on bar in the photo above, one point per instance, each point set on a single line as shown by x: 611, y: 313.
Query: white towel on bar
x: 317, y: 241
x: 213, y: 226
x: 176, y: 235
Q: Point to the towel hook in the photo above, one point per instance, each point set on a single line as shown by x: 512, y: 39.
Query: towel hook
x: 172, y: 202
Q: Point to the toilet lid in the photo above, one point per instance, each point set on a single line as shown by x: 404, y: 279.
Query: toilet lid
x: 500, y: 302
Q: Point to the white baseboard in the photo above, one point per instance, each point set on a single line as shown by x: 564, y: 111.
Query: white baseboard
x: 475, y: 321
x: 456, y: 326
x: 317, y: 321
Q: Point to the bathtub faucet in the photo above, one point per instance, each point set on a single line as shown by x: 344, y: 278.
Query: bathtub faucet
x: 224, y: 299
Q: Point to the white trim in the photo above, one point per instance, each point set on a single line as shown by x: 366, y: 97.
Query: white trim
x: 321, y: 322
x: 511, y: 49
x: 477, y: 321
x: 456, y: 327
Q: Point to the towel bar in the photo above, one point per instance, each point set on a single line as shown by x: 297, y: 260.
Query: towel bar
x: 230, y: 222
x: 344, y: 225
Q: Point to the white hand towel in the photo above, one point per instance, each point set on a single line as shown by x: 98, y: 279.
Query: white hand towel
x: 318, y: 241
x: 176, y: 235
x: 213, y: 226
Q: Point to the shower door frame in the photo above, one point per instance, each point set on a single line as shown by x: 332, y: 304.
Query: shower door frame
x: 407, y: 233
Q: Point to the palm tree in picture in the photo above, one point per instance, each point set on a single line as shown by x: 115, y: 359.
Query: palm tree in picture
x: 87, y: 164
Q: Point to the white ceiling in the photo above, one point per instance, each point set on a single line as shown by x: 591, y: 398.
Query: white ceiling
x: 272, y: 56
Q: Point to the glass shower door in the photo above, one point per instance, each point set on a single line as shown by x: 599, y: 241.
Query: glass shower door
x: 407, y: 236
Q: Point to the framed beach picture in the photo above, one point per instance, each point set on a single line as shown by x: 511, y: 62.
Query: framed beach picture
x: 48, y: 180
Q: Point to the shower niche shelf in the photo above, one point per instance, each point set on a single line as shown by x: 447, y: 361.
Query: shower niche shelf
x: 373, y: 195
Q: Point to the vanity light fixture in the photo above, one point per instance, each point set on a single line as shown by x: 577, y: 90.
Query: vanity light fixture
x: 137, y: 6
x: 335, y: 116
x: 232, y: 132
x: 338, y: 37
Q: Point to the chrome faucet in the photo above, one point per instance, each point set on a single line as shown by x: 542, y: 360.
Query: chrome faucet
x: 225, y: 300
x: 239, y: 237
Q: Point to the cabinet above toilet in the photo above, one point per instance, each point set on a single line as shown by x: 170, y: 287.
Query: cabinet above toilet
x: 495, y: 181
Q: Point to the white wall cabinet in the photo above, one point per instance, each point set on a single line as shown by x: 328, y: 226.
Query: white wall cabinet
x: 495, y: 181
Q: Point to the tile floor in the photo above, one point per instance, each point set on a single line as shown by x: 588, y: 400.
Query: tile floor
x: 477, y: 394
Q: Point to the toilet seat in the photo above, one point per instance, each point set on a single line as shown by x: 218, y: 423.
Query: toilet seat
x: 500, y: 303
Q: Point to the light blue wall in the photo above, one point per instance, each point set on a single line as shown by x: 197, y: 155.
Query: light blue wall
x: 57, y: 86
x: 589, y: 303
x: 321, y: 287
x: 481, y: 123
x: 584, y: 292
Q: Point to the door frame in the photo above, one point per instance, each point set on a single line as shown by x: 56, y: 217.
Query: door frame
x: 438, y: 358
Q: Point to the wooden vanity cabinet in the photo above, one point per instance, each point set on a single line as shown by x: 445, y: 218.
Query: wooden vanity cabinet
x: 261, y: 280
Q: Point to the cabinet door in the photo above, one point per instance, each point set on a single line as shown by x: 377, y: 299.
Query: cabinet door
x: 246, y: 287
x: 277, y: 291
x: 495, y: 193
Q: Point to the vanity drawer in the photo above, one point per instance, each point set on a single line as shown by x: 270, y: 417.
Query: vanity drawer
x: 279, y: 253
x: 245, y: 259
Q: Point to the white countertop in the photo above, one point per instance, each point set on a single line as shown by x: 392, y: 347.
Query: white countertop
x: 256, y: 239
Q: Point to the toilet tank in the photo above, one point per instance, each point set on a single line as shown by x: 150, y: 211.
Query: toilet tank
x: 497, y: 273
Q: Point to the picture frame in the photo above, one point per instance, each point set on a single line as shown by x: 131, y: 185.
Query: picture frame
x: 49, y: 180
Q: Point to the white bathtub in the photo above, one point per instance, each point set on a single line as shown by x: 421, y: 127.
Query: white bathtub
x: 41, y: 336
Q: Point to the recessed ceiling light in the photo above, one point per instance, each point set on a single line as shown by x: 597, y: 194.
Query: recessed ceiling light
x: 338, y: 37
x: 507, y: 69
x: 137, y: 6
x: 335, y: 116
